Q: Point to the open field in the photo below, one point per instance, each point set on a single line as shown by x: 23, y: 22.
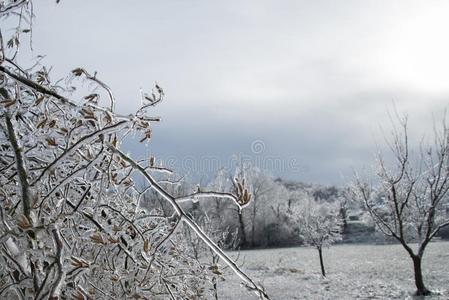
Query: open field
x: 354, y: 272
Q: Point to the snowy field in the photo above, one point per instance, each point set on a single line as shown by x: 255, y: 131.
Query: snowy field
x: 354, y: 272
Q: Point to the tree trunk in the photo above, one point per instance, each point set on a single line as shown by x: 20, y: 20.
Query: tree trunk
x: 421, y: 289
x: 344, y: 216
x: 253, y: 225
x: 320, y: 252
x: 242, y: 232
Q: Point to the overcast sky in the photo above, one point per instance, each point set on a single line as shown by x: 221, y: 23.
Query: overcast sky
x: 312, y: 80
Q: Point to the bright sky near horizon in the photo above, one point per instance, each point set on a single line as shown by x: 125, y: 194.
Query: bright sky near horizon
x: 312, y: 80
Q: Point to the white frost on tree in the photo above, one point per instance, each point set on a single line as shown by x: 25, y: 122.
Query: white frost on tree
x: 408, y: 199
x: 318, y: 223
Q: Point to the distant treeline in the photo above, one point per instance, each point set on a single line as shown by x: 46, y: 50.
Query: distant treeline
x: 265, y: 221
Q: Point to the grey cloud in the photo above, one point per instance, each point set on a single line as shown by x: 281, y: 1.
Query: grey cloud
x: 313, y: 80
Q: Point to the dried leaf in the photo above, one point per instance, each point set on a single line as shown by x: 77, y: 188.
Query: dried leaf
x: 23, y: 222
x: 146, y: 246
x: 39, y: 100
x: 78, y: 295
x: 79, y: 262
x: 52, y: 123
x: 128, y: 182
x: 51, y: 141
x: 116, y: 228
x: 8, y: 102
x: 77, y: 72
x: 63, y: 131
x: 42, y: 123
x: 97, y: 238
x: 215, y: 269
x: 91, y: 97
x: 113, y: 240
x: 88, y: 113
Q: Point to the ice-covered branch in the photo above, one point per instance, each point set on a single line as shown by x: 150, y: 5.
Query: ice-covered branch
x: 195, y: 197
x: 37, y: 87
x: 81, y: 142
x: 79, y: 71
x: 13, y: 5
x: 21, y: 168
x: 60, y: 275
x: 185, y: 218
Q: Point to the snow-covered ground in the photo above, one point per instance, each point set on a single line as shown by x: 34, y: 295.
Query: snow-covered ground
x: 354, y: 272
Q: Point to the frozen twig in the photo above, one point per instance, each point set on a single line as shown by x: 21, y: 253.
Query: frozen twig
x: 21, y: 168
x: 60, y: 275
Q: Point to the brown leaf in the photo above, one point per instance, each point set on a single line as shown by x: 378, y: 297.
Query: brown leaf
x: 97, y: 238
x: 91, y: 97
x: 51, y: 141
x: 52, y: 123
x: 8, y: 102
x: 128, y: 182
x: 77, y: 71
x: 41, y: 124
x: 116, y: 228
x: 214, y: 269
x: 113, y: 240
x: 39, y: 100
x: 23, y: 222
x: 78, y: 295
x: 88, y: 114
x: 79, y: 262
x: 146, y: 246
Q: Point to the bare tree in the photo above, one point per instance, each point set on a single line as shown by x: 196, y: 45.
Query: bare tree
x: 261, y: 186
x: 72, y: 225
x: 318, y: 224
x: 407, y: 201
